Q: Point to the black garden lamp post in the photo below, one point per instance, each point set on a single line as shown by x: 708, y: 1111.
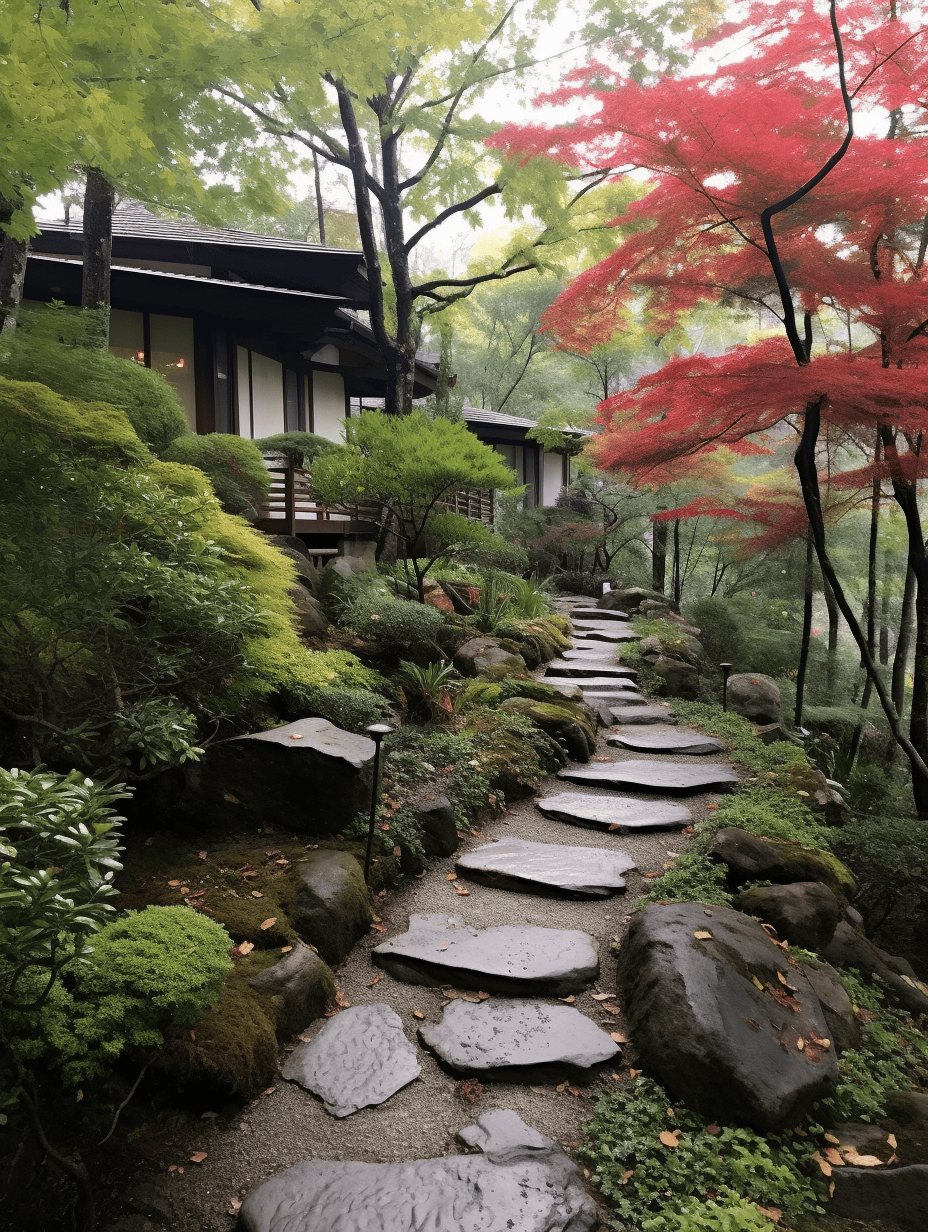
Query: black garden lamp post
x: 376, y: 731
x: 726, y: 672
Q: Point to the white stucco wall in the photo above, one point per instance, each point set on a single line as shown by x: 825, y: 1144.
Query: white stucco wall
x: 267, y: 393
x: 328, y: 405
x: 552, y: 471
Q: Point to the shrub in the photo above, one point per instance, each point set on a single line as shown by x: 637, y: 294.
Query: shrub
x: 233, y: 466
x: 59, y: 846
x: 719, y: 629
x: 889, y: 857
x: 298, y: 448
x: 51, y: 345
x: 398, y: 625
x: 351, y: 709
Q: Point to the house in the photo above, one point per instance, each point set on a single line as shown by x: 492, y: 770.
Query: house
x: 258, y: 335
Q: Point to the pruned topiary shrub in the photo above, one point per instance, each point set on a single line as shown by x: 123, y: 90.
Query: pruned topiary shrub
x: 232, y: 464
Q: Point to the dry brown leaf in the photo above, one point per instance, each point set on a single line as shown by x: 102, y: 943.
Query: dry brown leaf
x: 575, y: 1091
x: 831, y: 1190
x: 256, y: 894
x: 561, y: 1087
x: 833, y: 1156
x: 862, y: 1161
x: 451, y: 876
x: 235, y: 1205
x: 174, y: 883
x: 378, y: 928
x: 567, y: 1000
x: 461, y: 891
x: 418, y: 1014
x: 618, y: 1037
x: 397, y: 851
x: 891, y: 1140
x: 485, y: 996
x: 197, y: 1157
x: 832, y: 1139
x: 670, y: 1137
x: 602, y: 996
x: 713, y: 1129
x: 614, y: 825
x: 376, y: 980
x: 269, y: 923
x: 602, y: 759
x: 285, y: 949
x: 702, y: 935
x: 651, y: 876
x: 822, y: 1163
x: 201, y: 855
x: 773, y: 1213
x: 295, y: 736
x: 342, y: 1000
x: 269, y: 1091
x: 633, y: 1073
x: 627, y: 1176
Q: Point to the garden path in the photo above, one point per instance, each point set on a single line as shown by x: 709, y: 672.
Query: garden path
x: 288, y: 1124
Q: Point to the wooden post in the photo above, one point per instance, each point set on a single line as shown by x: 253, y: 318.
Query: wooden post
x: 289, y: 502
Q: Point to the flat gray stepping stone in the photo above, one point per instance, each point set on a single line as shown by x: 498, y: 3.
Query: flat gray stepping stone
x: 441, y: 949
x: 604, y: 634
x: 574, y: 872
x: 360, y: 1057
x: 598, y: 654
x: 683, y: 740
x: 625, y: 697
x: 512, y: 1040
x: 570, y: 688
x: 674, y: 777
x: 521, y: 1182
x: 620, y: 684
x: 618, y: 813
x: 570, y: 667
x: 631, y: 714
x: 598, y: 613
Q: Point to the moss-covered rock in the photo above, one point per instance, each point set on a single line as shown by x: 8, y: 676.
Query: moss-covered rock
x: 493, y: 692
x: 750, y: 858
x: 328, y: 903
x: 567, y: 722
x: 301, y: 988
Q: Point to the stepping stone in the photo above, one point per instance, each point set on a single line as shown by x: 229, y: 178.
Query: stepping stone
x: 513, y: 959
x: 675, y: 778
x: 597, y: 613
x: 510, y: 1041
x: 604, y: 634
x: 570, y: 667
x: 683, y: 740
x: 547, y: 868
x: 623, y: 696
x: 627, y: 714
x: 619, y: 813
x: 570, y: 688
x: 519, y: 1181
x: 360, y: 1057
x: 598, y: 654
x: 617, y: 683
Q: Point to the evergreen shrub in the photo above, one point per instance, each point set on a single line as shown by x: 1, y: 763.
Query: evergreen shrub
x: 233, y: 465
x: 298, y: 448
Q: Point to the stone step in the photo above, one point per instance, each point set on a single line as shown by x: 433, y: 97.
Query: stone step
x: 594, y: 652
x: 520, y: 1180
x: 509, y: 959
x: 626, y: 714
x: 547, y: 868
x: 683, y: 740
x: 618, y: 684
x: 359, y: 1058
x: 598, y: 613
x: 602, y: 633
x: 570, y: 667
x: 674, y: 778
x: 518, y: 1040
x: 614, y: 812
x: 570, y: 688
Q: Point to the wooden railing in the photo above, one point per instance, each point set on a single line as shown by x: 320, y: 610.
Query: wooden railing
x: 291, y: 507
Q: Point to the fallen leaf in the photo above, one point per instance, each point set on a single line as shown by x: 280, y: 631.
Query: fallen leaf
x: 832, y: 1139
x: 627, y: 1176
x: 822, y: 1163
x: 831, y: 1190
x: 633, y: 1073
x: 418, y: 1014
x: 269, y: 1091
x: 575, y: 1091
x: 773, y: 1213
x: 800, y: 1043
x: 618, y: 1037
x: 601, y: 996
x: 471, y: 997
x: 185, y: 889
x: 713, y: 1129
x: 702, y: 935
x: 149, y: 841
x: 201, y: 855
x: 180, y: 1169
x: 754, y: 1025
x: 397, y: 851
x: 174, y: 883
x: 285, y: 949
x: 785, y: 982
x: 603, y: 759
x: 376, y: 980
x: 451, y: 876
x: 650, y: 876
x: 235, y: 1205
x: 757, y: 983
x: 485, y: 996
x: 862, y: 1161
x: 342, y: 1000
x: 256, y: 894
x: 461, y: 891
x: 198, y: 893
x: 384, y: 825
x: 561, y: 1087
x: 295, y: 736
x: 614, y: 825
x: 833, y: 1156
x: 378, y: 928
x: 567, y: 1000
x: 197, y: 1157
x: 891, y: 1139
x: 670, y: 1137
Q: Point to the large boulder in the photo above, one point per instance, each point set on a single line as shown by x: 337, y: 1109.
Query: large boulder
x: 567, y: 722
x: 751, y: 858
x: 334, y: 579
x: 308, y: 777
x: 308, y: 616
x: 680, y: 646
x: 898, y: 1197
x: 850, y: 949
x: 630, y: 600
x: 718, y: 1015
x: 755, y: 697
x: 479, y: 654
x: 679, y: 679
x: 331, y: 908
x: 804, y: 913
x: 301, y: 987
x: 843, y: 1025
x: 306, y: 571
x: 437, y: 824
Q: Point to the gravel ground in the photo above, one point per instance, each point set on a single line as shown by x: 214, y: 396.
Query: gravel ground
x: 288, y: 1124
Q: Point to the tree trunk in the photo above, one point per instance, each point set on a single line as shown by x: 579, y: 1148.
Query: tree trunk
x: 12, y: 276
x: 806, y: 633
x: 833, y: 618
x: 884, y: 612
x: 677, y: 580
x: 320, y: 212
x: 658, y: 556
x: 903, y: 641
x: 99, y: 201
x: 857, y: 735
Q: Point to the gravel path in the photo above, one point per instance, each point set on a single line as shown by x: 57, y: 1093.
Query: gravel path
x: 288, y: 1124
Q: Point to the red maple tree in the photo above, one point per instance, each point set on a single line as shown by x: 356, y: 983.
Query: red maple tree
x: 763, y: 195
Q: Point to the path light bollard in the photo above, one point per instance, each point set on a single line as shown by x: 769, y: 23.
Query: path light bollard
x: 726, y: 670
x: 376, y: 731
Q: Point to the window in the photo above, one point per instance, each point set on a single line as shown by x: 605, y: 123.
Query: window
x: 127, y: 335
x: 162, y: 343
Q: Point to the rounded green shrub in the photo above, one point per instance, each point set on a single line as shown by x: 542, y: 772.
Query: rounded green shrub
x: 233, y: 465
x: 398, y: 625
x: 299, y: 448
x: 52, y: 345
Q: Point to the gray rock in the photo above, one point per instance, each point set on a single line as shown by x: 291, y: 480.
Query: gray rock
x: 755, y: 696
x: 684, y: 740
x: 480, y: 653
x: 897, y: 1196
x: 334, y: 578
x: 618, y: 813
x: 851, y: 949
x: 632, y: 598
x: 616, y: 696
x: 302, y: 987
x: 854, y: 918
x: 306, y: 571
x: 909, y: 1108
x: 440, y: 949
x: 438, y: 828
x: 569, y: 688
x: 774, y: 733
x: 597, y: 613
x: 607, y: 683
x: 681, y: 646
x: 570, y: 667
x: 804, y: 913
x: 724, y: 1046
x: 517, y: 1040
x: 308, y: 777
x: 309, y: 618
x: 521, y: 1181
x: 359, y: 1058
x: 605, y: 632
x: 570, y: 872
x: 332, y: 909
x: 640, y: 714
x: 751, y: 858
x: 674, y: 778
x: 843, y: 1028
x: 151, y: 1199
x: 679, y: 679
